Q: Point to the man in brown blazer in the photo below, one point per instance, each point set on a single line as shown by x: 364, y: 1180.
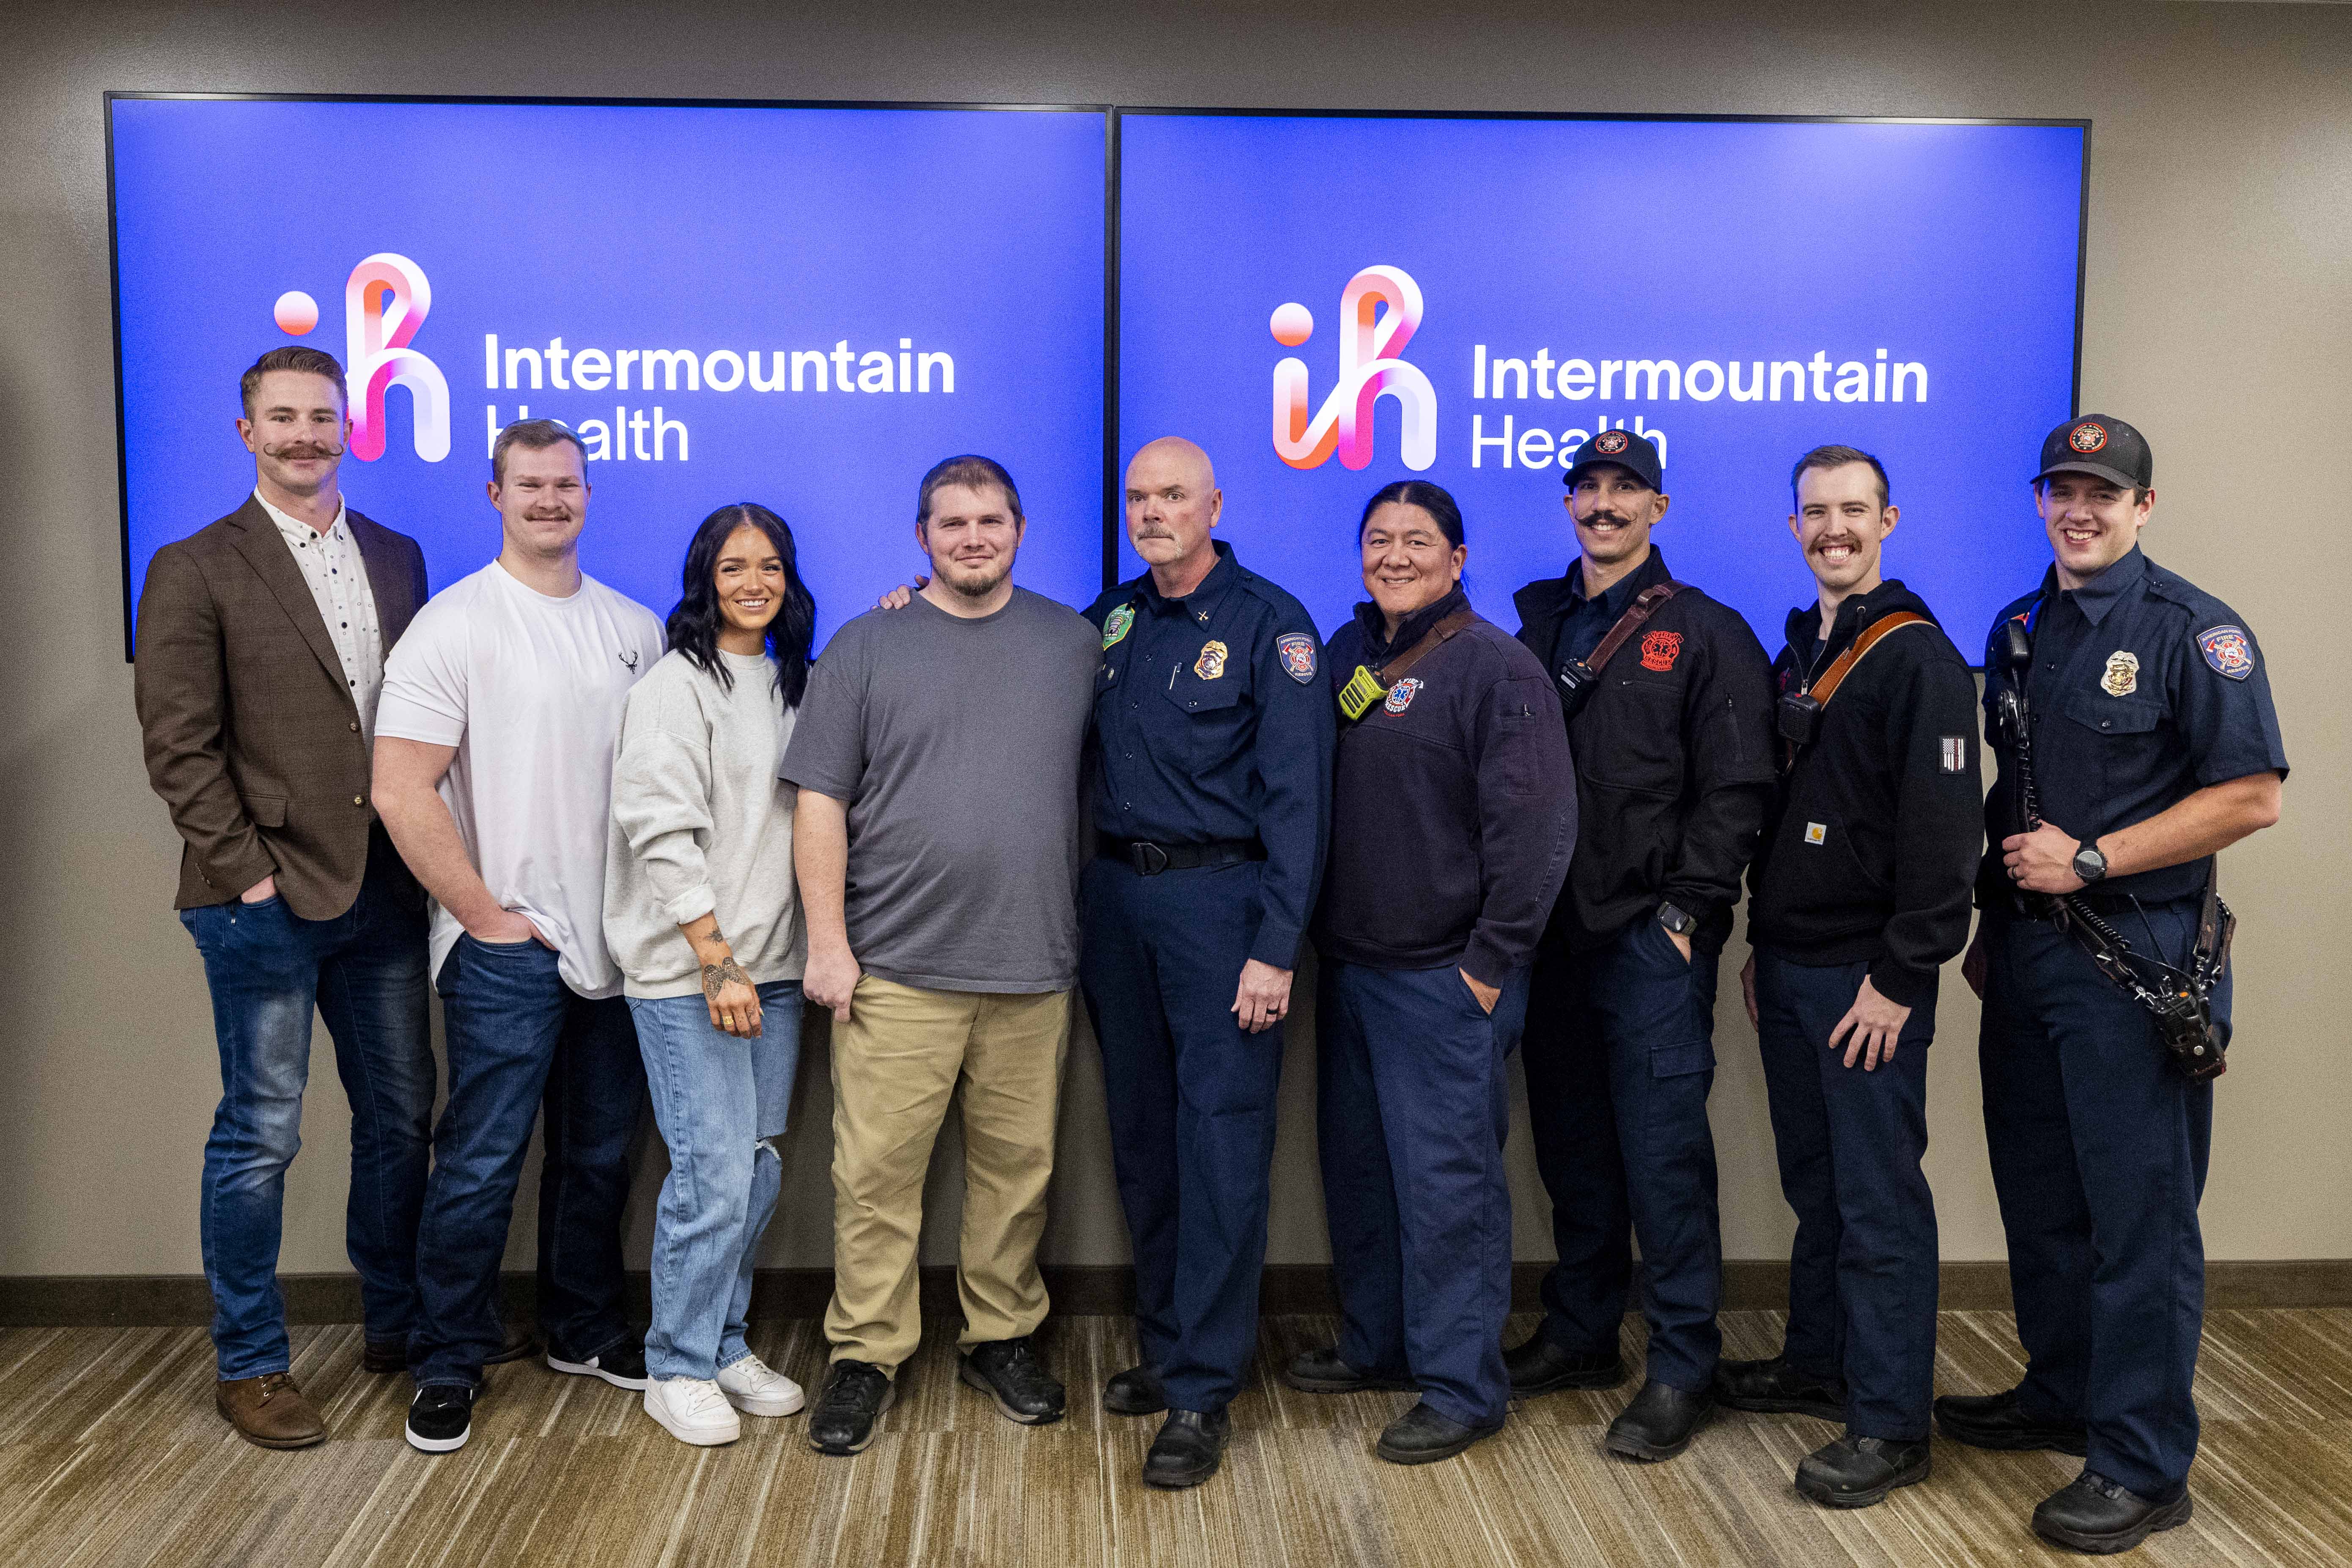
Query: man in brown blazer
x: 261, y: 645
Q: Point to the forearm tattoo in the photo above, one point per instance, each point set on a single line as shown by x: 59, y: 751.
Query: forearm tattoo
x: 717, y: 976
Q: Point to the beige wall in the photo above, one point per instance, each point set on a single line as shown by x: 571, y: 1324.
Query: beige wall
x: 2219, y: 320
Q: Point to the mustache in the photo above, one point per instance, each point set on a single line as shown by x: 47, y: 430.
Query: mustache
x: 295, y: 451
x: 1607, y: 517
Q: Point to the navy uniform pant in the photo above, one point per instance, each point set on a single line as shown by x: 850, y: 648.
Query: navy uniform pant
x: 1191, y: 1111
x: 1862, y: 1275
x: 1620, y: 1057
x: 2098, y: 1147
x: 1413, y: 1106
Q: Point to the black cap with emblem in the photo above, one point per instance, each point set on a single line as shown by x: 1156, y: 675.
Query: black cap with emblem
x: 1637, y: 455
x: 2094, y: 444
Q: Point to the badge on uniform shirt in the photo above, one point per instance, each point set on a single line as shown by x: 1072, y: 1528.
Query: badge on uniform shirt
x: 2122, y: 678
x: 1297, y: 651
x: 1400, y: 695
x: 1211, y: 662
x: 1660, y: 650
x: 1816, y: 832
x: 2228, y: 650
x: 1115, y: 624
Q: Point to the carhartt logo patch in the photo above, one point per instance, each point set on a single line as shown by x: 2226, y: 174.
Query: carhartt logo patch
x: 1816, y: 832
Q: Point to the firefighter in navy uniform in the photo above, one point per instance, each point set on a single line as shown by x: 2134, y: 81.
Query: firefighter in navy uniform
x: 1670, y: 711
x: 1211, y: 764
x: 1861, y: 896
x: 2149, y: 743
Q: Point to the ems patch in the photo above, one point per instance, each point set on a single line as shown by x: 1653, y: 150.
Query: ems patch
x: 1660, y: 650
x: 1816, y: 832
x: 1400, y: 695
x: 1297, y: 651
x: 1612, y: 442
x: 1116, y: 625
x: 2228, y: 650
x: 2088, y: 437
x: 1952, y: 754
x: 1211, y: 662
x: 2122, y: 678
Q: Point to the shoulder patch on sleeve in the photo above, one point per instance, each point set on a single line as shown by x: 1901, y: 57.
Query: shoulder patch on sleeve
x: 1297, y: 651
x: 2228, y: 650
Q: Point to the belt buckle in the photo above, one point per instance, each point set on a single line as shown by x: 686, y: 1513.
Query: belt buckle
x: 1151, y: 859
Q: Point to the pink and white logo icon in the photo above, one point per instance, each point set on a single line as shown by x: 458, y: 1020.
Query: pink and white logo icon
x: 1379, y: 312
x: 384, y: 303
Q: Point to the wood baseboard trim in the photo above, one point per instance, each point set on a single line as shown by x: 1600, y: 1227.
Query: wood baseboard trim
x: 121, y: 1301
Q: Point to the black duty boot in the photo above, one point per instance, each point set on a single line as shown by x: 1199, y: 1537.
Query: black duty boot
x: 1539, y: 1366
x: 1994, y: 1421
x: 1855, y: 1472
x: 1187, y: 1450
x: 1659, y: 1422
x: 1322, y: 1372
x: 1779, y: 1388
x: 1135, y: 1391
x: 2092, y: 1513
x: 1421, y: 1436
x: 1009, y: 1372
x: 855, y: 1395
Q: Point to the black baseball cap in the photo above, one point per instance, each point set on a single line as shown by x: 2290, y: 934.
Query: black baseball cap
x: 2097, y: 445
x: 1637, y: 455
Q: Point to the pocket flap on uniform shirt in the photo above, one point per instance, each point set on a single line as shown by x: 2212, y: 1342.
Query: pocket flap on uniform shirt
x: 1687, y: 1057
x: 2097, y: 711
x: 1194, y: 695
x: 267, y: 810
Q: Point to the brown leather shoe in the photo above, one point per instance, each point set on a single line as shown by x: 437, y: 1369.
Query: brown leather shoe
x: 269, y: 1411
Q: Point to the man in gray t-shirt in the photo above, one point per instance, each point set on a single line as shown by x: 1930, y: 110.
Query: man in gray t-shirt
x: 935, y: 839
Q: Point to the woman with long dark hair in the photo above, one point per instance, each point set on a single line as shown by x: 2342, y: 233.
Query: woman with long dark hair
x: 701, y: 910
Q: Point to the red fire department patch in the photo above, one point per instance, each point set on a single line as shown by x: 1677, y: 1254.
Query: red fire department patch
x: 1660, y: 650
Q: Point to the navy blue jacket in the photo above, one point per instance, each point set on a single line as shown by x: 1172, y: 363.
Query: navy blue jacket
x: 2145, y: 689
x: 1211, y: 722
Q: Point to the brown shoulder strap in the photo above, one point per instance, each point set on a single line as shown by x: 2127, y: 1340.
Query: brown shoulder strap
x: 1641, y: 609
x: 1843, y: 666
x: 1393, y: 670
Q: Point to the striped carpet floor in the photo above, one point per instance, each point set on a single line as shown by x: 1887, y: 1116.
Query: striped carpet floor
x: 110, y: 1454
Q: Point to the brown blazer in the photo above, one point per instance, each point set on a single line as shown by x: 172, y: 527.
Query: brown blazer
x: 253, y: 737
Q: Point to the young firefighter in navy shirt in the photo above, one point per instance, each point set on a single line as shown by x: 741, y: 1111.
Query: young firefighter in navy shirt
x: 1861, y: 893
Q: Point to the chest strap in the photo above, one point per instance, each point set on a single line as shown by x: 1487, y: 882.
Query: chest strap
x: 1369, y: 685
x: 1822, y: 691
x: 1643, y: 606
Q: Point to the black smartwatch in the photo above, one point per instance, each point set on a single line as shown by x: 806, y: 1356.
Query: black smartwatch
x: 2089, y: 865
x: 1675, y: 921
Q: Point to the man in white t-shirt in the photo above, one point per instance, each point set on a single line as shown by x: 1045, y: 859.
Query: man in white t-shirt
x: 493, y: 772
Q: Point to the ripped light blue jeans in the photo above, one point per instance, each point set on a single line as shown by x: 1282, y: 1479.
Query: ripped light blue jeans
x: 718, y: 1099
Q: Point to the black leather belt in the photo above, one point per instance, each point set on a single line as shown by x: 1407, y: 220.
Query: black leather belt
x: 1148, y: 859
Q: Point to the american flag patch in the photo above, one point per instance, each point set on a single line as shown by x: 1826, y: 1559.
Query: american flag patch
x: 1955, y: 753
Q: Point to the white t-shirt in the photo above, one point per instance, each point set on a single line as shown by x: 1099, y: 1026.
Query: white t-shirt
x: 529, y: 689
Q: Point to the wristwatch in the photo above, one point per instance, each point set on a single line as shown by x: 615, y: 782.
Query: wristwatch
x: 1674, y: 920
x: 2089, y: 865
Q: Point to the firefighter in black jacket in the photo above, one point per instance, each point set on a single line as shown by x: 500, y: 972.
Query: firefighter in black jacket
x: 1861, y: 893
x: 1671, y: 736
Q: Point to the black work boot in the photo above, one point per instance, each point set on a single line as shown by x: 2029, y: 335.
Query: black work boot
x: 1322, y: 1372
x: 1855, y: 1472
x: 1539, y: 1366
x: 1994, y: 1421
x: 1776, y: 1387
x: 1135, y: 1391
x: 1659, y: 1422
x: 1421, y: 1435
x: 855, y: 1395
x: 1187, y: 1450
x: 1009, y: 1372
x: 2092, y: 1513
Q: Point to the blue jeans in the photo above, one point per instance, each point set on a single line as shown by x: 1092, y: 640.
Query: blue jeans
x: 1412, y: 1108
x: 364, y: 970
x: 716, y: 1099
x: 518, y: 1038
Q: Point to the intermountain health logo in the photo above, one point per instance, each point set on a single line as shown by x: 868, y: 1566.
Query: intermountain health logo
x: 384, y: 302
x: 1379, y: 312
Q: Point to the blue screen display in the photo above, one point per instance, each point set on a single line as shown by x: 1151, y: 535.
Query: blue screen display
x: 1743, y: 290
x: 801, y: 307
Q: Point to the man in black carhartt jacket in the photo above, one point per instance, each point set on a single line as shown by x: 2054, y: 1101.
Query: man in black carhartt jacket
x: 1674, y: 764
x: 1862, y: 893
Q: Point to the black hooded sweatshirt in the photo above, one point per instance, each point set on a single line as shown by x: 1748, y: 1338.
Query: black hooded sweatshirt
x: 1870, y: 849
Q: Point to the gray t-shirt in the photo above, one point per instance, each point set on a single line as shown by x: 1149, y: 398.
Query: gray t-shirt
x: 955, y: 744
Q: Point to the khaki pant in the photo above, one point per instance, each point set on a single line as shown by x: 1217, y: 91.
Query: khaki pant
x: 895, y: 1064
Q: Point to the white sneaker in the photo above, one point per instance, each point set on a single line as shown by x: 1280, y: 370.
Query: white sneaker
x: 755, y: 1388
x: 692, y: 1410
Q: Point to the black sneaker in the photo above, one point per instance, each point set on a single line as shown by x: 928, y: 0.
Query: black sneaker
x: 1538, y: 1366
x: 623, y: 1366
x: 856, y: 1394
x: 1321, y: 1371
x: 2092, y: 1513
x: 1135, y: 1391
x: 1009, y: 1372
x: 1998, y: 1421
x: 1776, y: 1387
x: 440, y: 1418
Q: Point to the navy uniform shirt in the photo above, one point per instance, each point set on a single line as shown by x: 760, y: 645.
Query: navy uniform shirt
x: 2144, y: 690
x: 1211, y: 722
x: 1587, y: 619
